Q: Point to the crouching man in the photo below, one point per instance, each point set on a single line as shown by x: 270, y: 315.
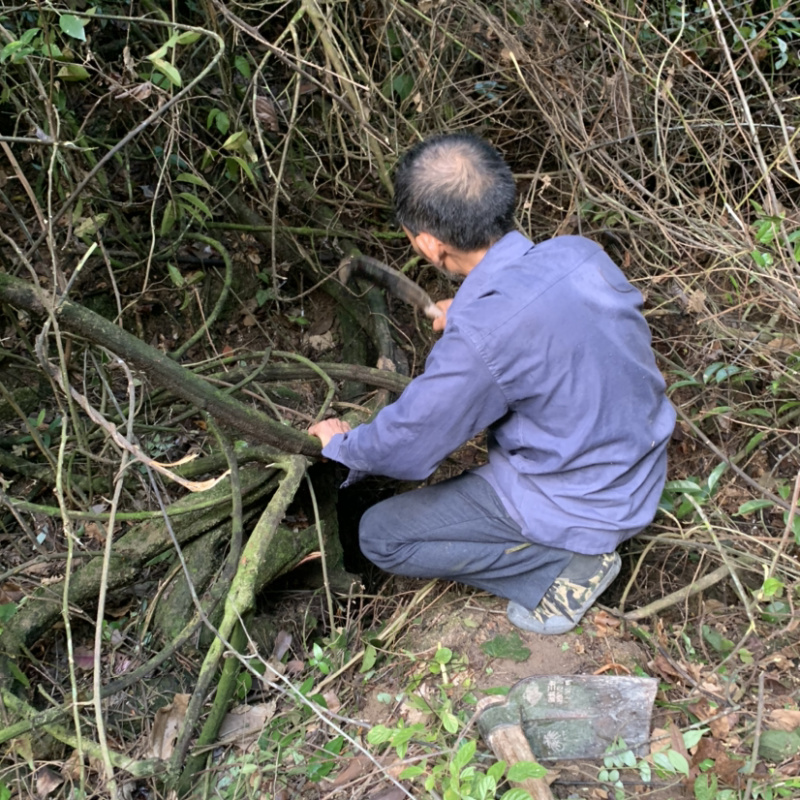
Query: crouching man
x: 546, y: 347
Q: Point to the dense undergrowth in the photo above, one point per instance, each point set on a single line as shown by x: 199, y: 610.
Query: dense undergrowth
x: 132, y: 136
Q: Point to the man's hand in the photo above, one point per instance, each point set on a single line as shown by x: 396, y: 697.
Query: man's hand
x: 440, y: 322
x: 328, y: 428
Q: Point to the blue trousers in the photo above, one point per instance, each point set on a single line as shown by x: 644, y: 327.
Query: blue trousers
x: 459, y: 530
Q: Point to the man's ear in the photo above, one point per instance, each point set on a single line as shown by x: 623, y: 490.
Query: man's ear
x: 431, y: 247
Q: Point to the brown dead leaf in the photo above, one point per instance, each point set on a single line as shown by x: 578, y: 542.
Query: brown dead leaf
x: 10, y: 592
x: 784, y: 719
x: 783, y: 343
x: 659, y: 740
x: 697, y: 302
x: 661, y: 665
x: 725, y: 768
x: 243, y: 726
x: 331, y: 700
x: 166, y: 724
x: 355, y: 769
x: 47, y: 781
x: 606, y: 624
x: 140, y: 92
x: 71, y: 768
x: 95, y: 532
x: 720, y: 726
x: 267, y: 113
x: 393, y: 793
x: 84, y: 658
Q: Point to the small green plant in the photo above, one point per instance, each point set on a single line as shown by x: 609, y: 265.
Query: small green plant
x: 459, y: 777
x: 675, y: 500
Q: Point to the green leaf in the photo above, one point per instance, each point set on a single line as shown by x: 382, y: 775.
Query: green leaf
x: 776, y: 612
x: 717, y: 640
x: 7, y: 610
x: 510, y: 647
x: 403, y: 85
x: 516, y: 794
x: 219, y: 118
x: 693, y: 736
x: 497, y: 770
x: 169, y: 72
x: 235, y: 164
x: 715, y: 475
x: 662, y: 760
x: 72, y: 26
x: 370, y: 657
x: 235, y: 142
x: 188, y: 37
x: 753, y: 505
x: 449, y: 721
x: 411, y: 772
x: 678, y: 761
x: 242, y: 66
x: 705, y: 787
x: 690, y: 487
x: 91, y: 225
x: 194, y: 200
x: 169, y: 218
x: 18, y: 674
x: 73, y: 72
x: 464, y: 755
x: 28, y: 36
x: 795, y: 525
x: 443, y: 655
x: 52, y: 51
x: 175, y: 275
x: 335, y: 745
x: 523, y: 770
x: 773, y: 587
x: 645, y: 773
x: 196, y: 180
x: 380, y: 734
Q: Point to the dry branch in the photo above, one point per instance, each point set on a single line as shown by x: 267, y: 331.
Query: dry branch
x: 158, y: 367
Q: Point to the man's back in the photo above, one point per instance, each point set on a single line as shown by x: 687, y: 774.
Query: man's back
x: 579, y: 458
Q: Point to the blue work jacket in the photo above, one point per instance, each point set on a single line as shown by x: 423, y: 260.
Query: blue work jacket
x: 547, y: 348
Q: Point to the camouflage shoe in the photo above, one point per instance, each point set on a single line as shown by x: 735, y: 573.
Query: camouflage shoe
x: 572, y: 594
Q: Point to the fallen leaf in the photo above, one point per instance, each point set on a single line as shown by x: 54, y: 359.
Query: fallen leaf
x: 332, y: 701
x: 319, y: 344
x: 267, y: 114
x: 283, y: 641
x: 725, y: 768
x: 356, y: 767
x: 243, y: 726
x: 606, y: 624
x: 47, y: 781
x: 84, y: 658
x: 697, y: 302
x: 71, y: 768
x: 510, y: 647
x: 784, y: 719
x: 166, y: 724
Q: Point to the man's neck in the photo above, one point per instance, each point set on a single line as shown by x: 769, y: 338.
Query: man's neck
x: 462, y: 262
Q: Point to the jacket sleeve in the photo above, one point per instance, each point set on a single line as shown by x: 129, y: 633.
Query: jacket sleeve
x: 455, y: 398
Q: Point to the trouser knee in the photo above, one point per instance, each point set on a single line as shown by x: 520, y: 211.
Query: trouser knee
x: 372, y: 538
